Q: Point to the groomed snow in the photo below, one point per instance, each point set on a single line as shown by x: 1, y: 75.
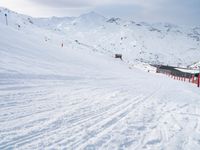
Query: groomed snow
x: 75, y: 98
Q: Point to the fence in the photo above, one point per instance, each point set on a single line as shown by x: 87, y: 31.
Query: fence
x: 193, y: 79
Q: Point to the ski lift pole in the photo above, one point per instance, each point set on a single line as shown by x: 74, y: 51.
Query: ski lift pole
x: 6, y: 16
x: 198, y: 82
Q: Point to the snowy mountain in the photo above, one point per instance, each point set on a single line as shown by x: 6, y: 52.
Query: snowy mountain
x: 159, y: 43
x: 78, y: 97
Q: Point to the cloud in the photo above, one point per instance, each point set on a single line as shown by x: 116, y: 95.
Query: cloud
x: 89, y: 3
x: 74, y: 3
x: 172, y: 11
x: 177, y: 11
x: 63, y: 3
x: 119, y: 10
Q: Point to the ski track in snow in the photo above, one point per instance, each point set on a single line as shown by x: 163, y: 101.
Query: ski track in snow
x: 67, y: 118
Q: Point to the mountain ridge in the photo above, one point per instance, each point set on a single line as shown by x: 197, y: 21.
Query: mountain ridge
x: 158, y: 43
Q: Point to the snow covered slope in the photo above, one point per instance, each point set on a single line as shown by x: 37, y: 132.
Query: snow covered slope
x: 76, y: 98
x: 151, y: 43
x: 157, y: 44
x: 160, y: 43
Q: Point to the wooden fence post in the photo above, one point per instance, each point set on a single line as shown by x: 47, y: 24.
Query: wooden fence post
x: 192, y: 78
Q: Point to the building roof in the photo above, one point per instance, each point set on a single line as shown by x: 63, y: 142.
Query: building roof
x: 191, y: 71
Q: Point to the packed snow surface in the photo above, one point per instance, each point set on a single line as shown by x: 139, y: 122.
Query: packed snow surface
x: 74, y: 97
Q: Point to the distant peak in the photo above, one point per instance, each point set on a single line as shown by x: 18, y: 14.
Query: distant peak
x: 114, y: 20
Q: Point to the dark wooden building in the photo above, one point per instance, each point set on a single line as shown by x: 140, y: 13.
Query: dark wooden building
x: 118, y: 56
x: 175, y: 71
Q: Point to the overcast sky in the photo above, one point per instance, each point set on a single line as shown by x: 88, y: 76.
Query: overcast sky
x: 173, y: 11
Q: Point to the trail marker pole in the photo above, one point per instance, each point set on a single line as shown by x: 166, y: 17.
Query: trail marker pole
x: 198, y: 81
x: 6, y: 16
x: 192, y: 78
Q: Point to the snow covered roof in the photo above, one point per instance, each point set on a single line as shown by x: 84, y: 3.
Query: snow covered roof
x: 188, y: 70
